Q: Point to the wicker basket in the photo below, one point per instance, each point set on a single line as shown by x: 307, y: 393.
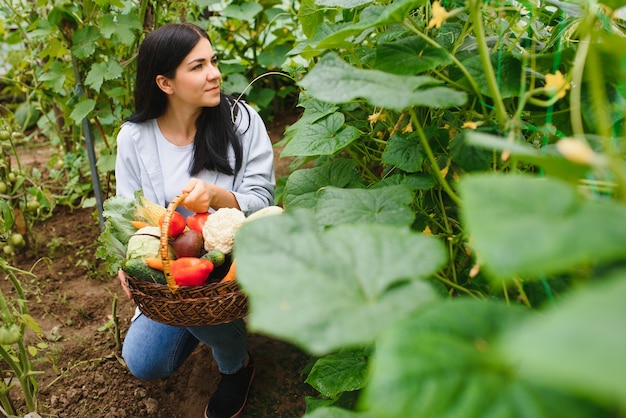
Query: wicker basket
x: 209, y: 304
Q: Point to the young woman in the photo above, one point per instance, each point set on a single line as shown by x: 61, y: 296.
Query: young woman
x: 187, y: 136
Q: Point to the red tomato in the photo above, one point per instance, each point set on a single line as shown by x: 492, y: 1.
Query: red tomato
x: 197, y: 221
x: 177, y: 224
x: 191, y: 271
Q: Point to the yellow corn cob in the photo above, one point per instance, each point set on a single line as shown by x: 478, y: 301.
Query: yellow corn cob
x: 150, y: 211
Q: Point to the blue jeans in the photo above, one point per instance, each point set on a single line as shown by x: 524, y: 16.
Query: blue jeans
x: 153, y: 350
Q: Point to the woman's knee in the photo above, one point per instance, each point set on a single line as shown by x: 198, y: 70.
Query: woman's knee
x: 154, y: 351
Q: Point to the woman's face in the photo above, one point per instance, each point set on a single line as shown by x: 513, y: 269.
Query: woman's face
x: 197, y: 79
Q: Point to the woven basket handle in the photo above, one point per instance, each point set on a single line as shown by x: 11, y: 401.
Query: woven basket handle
x: 164, y: 244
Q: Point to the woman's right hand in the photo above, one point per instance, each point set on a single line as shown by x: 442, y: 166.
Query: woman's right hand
x: 122, y: 276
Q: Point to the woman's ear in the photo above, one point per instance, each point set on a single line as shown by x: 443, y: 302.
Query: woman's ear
x: 164, y: 84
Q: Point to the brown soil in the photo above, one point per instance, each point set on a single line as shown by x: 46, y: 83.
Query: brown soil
x: 83, y: 375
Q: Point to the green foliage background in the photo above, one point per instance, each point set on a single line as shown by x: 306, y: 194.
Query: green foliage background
x: 444, y: 251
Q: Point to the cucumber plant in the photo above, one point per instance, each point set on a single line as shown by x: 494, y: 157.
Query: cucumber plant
x: 454, y: 238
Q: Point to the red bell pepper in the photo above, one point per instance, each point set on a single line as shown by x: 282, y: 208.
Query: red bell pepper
x: 197, y: 221
x: 191, y: 271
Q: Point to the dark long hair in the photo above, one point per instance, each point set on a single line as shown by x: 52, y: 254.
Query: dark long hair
x: 160, y: 54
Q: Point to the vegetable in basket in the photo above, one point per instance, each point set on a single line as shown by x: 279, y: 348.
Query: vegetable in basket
x: 219, y: 229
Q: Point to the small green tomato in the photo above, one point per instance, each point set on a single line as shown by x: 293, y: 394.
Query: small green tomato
x: 4, y: 135
x: 10, y: 334
x: 3, y: 187
x: 8, y: 249
x: 17, y: 240
x: 32, y: 205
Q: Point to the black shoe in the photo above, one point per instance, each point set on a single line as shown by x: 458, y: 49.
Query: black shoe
x: 231, y: 393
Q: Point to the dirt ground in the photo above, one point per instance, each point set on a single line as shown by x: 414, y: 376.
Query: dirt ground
x: 83, y: 375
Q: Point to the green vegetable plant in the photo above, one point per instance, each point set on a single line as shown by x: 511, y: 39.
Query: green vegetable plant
x: 24, y: 197
x: 453, y: 241
x: 17, y: 353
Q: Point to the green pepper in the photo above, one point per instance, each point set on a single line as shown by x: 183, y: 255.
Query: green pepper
x: 191, y: 271
x: 10, y: 334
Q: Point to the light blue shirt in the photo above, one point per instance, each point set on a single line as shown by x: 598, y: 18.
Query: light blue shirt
x: 147, y: 161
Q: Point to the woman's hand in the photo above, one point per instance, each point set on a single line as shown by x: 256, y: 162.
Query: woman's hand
x: 204, y: 196
x: 122, y: 276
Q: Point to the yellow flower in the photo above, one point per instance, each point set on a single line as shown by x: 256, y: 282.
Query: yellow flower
x: 440, y: 14
x: 408, y: 128
x: 378, y: 116
x: 556, y: 84
x: 470, y: 125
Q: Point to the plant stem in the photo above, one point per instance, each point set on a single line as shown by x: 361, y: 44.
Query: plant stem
x: 575, y: 94
x: 485, y: 58
x: 431, y: 157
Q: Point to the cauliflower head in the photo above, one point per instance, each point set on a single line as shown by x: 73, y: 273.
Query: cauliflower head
x: 219, y: 230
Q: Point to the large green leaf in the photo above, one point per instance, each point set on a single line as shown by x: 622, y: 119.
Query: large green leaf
x: 508, y: 73
x: 310, y: 17
x: 405, y: 152
x: 82, y: 110
x: 334, y: 288
x: 245, y: 11
x: 371, y: 17
x: 385, y: 205
x: 578, y: 346
x: 301, y: 189
x: 102, y: 71
x: 124, y: 27
x: 314, y: 110
x: 440, y: 363
x: 334, y: 81
x: 521, y: 225
x: 339, y: 372
x: 324, y: 137
x: 410, y: 56
x: 85, y: 41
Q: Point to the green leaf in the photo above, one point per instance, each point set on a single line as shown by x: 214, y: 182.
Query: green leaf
x: 310, y: 17
x: 245, y: 11
x: 301, y: 189
x: 408, y: 56
x: 440, y: 363
x: 385, y: 205
x: 118, y: 212
x: 525, y: 226
x: 324, y: 137
x: 334, y: 81
x: 95, y: 77
x: 468, y: 157
x: 507, y: 69
x: 578, y: 346
x: 335, y: 412
x: 314, y: 110
x: 372, y: 17
x: 124, y: 27
x: 103, y: 71
x: 346, y: 4
x: 404, y: 152
x: 54, y: 76
x: 82, y: 110
x: 412, y: 181
x: 335, y: 288
x: 339, y: 372
x: 553, y: 164
x: 85, y: 41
